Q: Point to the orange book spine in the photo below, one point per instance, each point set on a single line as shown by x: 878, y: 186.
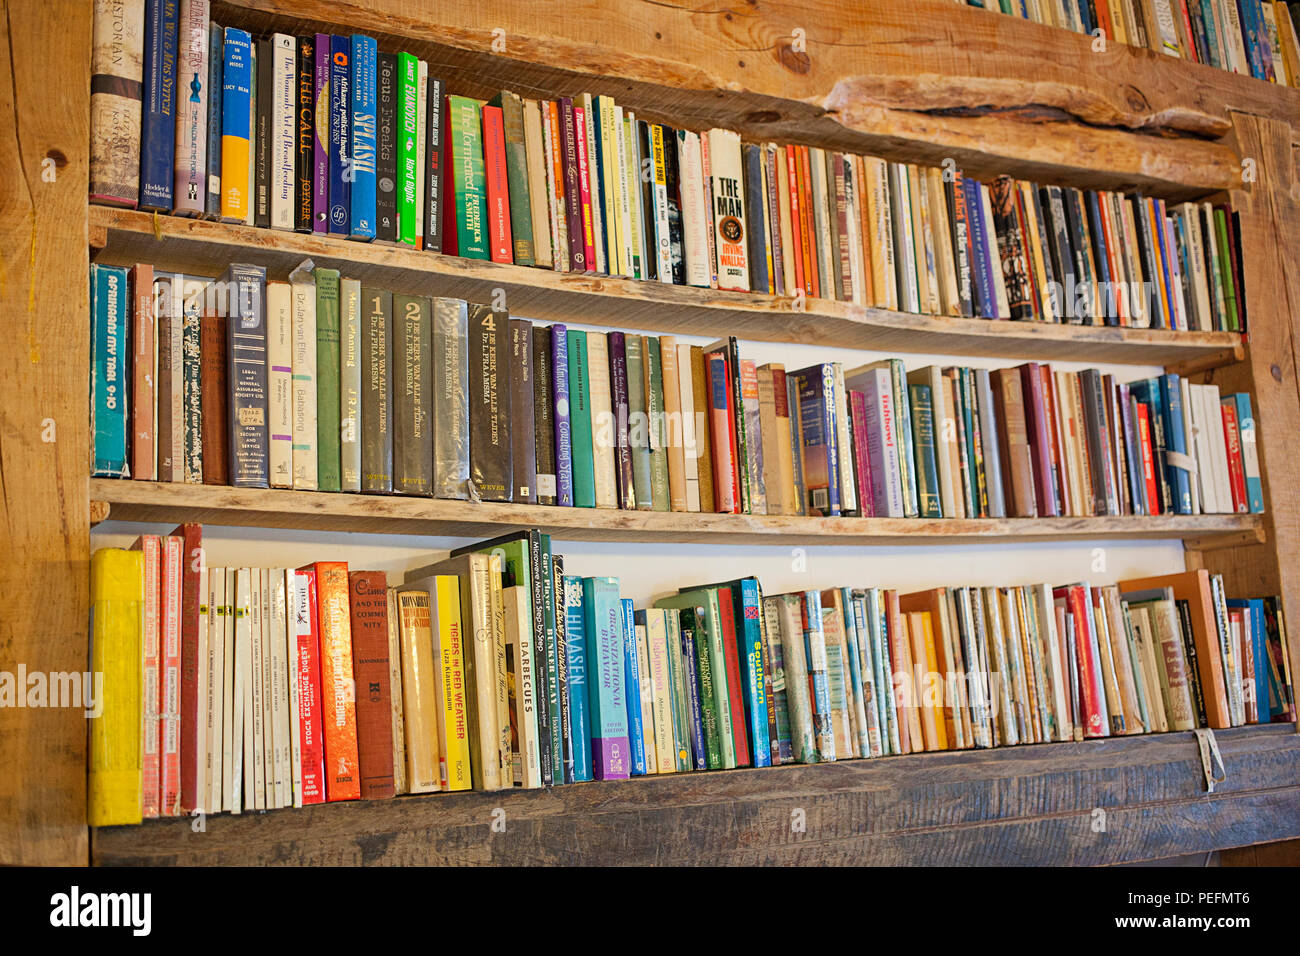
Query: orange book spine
x: 796, y: 217
x: 338, y: 695
x: 812, y: 285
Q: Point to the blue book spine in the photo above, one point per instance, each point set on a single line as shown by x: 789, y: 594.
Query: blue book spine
x: 603, y: 611
x: 158, y: 120
x: 983, y: 276
x: 853, y: 641
x: 563, y: 435
x: 109, y: 352
x: 216, y: 70
x: 1249, y: 452
x: 1085, y: 17
x: 575, y: 647
x: 691, y: 664
x: 1165, y: 250
x: 1175, y: 441
x: 817, y: 413
x: 750, y: 632
x: 340, y: 147
x: 1263, y: 673
x: 365, y: 129
x: 632, y: 687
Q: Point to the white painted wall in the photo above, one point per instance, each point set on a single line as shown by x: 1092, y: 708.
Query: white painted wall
x: 651, y: 570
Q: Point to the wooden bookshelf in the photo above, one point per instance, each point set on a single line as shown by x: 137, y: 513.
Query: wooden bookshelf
x: 124, y: 237
x: 1034, y: 805
x: 164, y: 502
x: 926, y: 81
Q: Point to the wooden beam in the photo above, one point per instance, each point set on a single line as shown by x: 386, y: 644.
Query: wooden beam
x: 1104, y: 801
x: 44, y: 371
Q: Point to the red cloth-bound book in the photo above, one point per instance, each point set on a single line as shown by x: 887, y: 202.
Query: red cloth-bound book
x: 498, y: 188
x: 1236, y: 468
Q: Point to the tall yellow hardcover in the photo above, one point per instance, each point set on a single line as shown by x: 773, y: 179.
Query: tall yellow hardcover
x: 453, y: 719
x: 116, y: 628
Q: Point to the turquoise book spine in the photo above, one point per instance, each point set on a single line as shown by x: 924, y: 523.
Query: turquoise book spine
x: 606, y: 700
x: 584, y: 462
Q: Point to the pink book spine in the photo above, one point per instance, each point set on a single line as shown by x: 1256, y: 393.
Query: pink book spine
x: 307, y: 687
x: 723, y: 465
x: 169, y: 726
x: 858, y: 417
x: 584, y: 187
x: 151, y: 696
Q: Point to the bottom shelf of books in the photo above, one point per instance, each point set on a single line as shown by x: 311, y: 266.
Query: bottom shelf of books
x: 1097, y: 802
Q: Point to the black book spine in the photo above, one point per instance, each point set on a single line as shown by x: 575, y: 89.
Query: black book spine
x: 522, y: 417
x: 1049, y: 267
x: 246, y: 376
x: 306, y: 131
x: 1062, y: 253
x: 490, y: 471
x: 386, y: 150
x: 561, y: 643
x: 676, y: 242
x: 1102, y: 257
x: 1239, y: 289
x: 1094, y: 433
x: 1147, y: 261
x: 543, y: 414
x: 1193, y: 665
x: 377, y: 391
x: 619, y: 397
x: 755, y: 203
x: 960, y: 229
x: 434, y: 180
x: 1078, y: 231
x: 645, y: 152
x: 537, y: 578
x: 262, y: 162
x: 412, y: 395
x: 216, y: 76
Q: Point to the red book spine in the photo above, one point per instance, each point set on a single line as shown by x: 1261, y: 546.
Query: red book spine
x: 1056, y: 456
x: 1148, y: 458
x: 723, y: 455
x: 735, y: 689
x: 338, y: 694
x: 169, y: 731
x: 151, y: 696
x: 144, y: 451
x: 498, y: 189
x: 306, y: 682
x: 1094, y: 712
x: 213, y: 394
x: 451, y: 216
x: 584, y: 188
x: 1039, y: 437
x: 737, y: 464
x: 1236, y: 468
x: 796, y: 219
x: 809, y: 225
x: 368, y: 601
x: 858, y: 418
x: 191, y: 773
x: 1188, y: 33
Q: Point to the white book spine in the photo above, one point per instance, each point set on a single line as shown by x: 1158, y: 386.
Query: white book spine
x: 538, y: 201
x: 690, y: 431
x: 857, y: 263
x: 825, y: 251
x: 694, y: 223
x: 190, y: 167
x: 624, y: 186
x: 885, y: 276
x: 602, y: 420
x: 729, y: 215
x: 519, y: 629
x: 635, y: 164
x: 254, y: 706
x: 279, y: 684
x: 303, y: 290
x: 1202, y: 481
x: 238, y: 742
x: 1236, y: 39
x: 284, y: 89
x: 909, y: 293
x: 664, y: 741
x: 1219, y: 447
x: 280, y: 385
x: 213, y: 688
x: 201, y: 684
x: 350, y: 383
x: 647, y: 699
x: 887, y: 496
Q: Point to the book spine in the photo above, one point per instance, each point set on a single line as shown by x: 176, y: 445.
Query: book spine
x: 328, y: 458
x: 412, y: 394
x: 340, y: 136
x: 521, y: 222
x: 338, y: 697
x: 407, y: 202
x: 236, y: 126
x: 575, y: 647
x: 636, y: 727
x: 386, y: 102
x: 749, y: 638
x: 466, y: 173
x: 522, y: 389
x: 190, y: 171
x: 110, y: 338
x: 490, y: 469
x: 144, y: 345
x: 279, y: 359
x: 543, y: 413
x: 281, y: 130
x: 580, y: 441
x: 158, y: 123
x: 603, y: 442
x: 247, y: 378
x: 603, y: 626
x: 723, y: 462
x: 499, y: 238
x: 563, y: 436
x: 618, y: 372
x: 363, y: 121
x: 304, y: 126
x: 212, y: 153
x: 306, y: 687
x: 1249, y: 452
x: 368, y: 607
x: 927, y: 466
x: 350, y: 360
x: 435, y: 175
x: 263, y: 81
x: 568, y: 150
x: 377, y: 363
x: 638, y: 424
x: 450, y: 423
x: 117, y: 73
x: 320, y: 151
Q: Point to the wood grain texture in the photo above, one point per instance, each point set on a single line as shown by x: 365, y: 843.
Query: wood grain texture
x: 1030, y: 805
x: 919, y: 82
x: 44, y: 370
x: 188, y: 245
x: 150, y: 501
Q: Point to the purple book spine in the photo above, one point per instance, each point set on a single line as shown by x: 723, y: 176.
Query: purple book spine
x: 858, y: 417
x: 623, y: 448
x: 563, y: 438
x: 320, y: 199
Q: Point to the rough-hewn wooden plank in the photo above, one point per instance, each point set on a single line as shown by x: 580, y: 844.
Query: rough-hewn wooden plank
x: 1018, y: 805
x: 189, y: 245
x: 901, y: 80
x: 276, y: 508
x: 44, y: 131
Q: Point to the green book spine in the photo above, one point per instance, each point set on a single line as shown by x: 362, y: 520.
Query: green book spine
x: 553, y: 660
x: 964, y: 400
x: 692, y: 617
x: 655, y: 411
x: 521, y: 210
x: 906, y: 447
x: 328, y: 461
x: 677, y: 685
x: 927, y: 467
x: 708, y: 646
x: 1225, y: 269
x: 465, y: 143
x: 584, y: 462
x: 638, y: 423
x: 408, y: 111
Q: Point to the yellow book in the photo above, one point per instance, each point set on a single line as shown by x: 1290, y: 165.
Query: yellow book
x: 116, y: 627
x: 453, y: 717
x: 419, y: 688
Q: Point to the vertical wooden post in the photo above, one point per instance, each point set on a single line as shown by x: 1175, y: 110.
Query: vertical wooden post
x: 44, y: 537
x: 1269, y: 208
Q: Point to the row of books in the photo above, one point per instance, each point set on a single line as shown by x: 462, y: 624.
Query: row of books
x: 326, y: 134
x: 321, y: 383
x: 1253, y: 37
x: 243, y: 689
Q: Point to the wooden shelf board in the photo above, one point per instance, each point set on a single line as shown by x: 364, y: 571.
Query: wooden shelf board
x: 147, y: 501
x: 170, y: 243
x: 1029, y: 805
